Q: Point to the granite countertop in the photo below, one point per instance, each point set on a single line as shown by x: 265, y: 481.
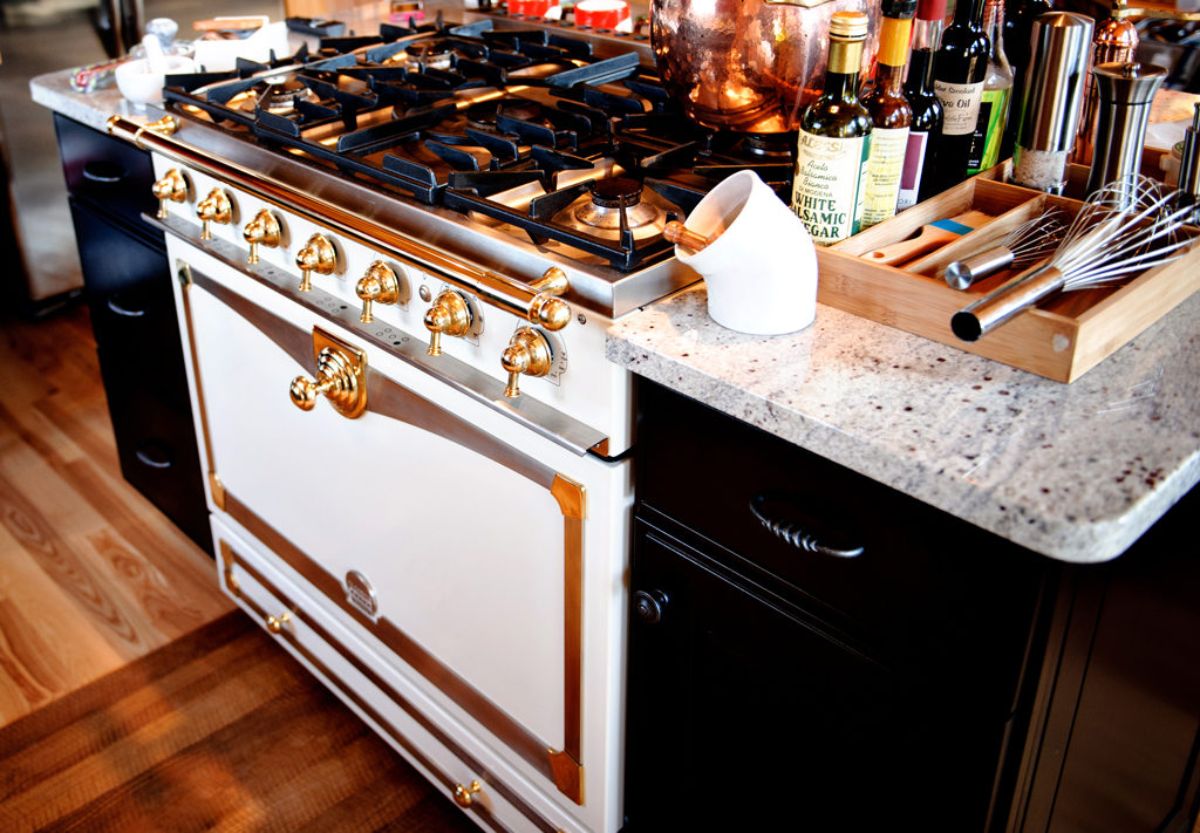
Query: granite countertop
x: 1076, y: 472
x: 53, y: 90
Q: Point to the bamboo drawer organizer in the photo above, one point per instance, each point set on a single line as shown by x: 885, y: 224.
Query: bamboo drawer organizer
x: 1061, y: 339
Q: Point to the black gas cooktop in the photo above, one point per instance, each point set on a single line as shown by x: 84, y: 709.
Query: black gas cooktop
x: 524, y: 127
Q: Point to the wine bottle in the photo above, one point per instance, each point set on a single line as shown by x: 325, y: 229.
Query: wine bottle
x: 891, y: 114
x: 917, y: 181
x: 958, y: 74
x: 834, y: 140
x: 997, y: 94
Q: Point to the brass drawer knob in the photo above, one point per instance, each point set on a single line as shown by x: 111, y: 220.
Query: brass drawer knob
x: 465, y: 796
x: 527, y: 352
x: 215, y: 208
x: 450, y: 315
x: 378, y: 285
x: 263, y: 230
x: 318, y: 255
x: 276, y: 624
x: 173, y: 187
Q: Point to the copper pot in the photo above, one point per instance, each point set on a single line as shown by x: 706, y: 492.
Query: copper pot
x: 747, y: 65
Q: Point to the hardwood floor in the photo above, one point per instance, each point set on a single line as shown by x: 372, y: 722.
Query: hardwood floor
x: 221, y: 730
x: 92, y: 576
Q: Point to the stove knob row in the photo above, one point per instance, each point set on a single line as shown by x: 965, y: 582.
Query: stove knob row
x: 318, y: 255
x: 263, y: 230
x: 173, y: 187
x: 450, y: 315
x: 528, y: 352
x: 378, y: 286
x: 215, y: 208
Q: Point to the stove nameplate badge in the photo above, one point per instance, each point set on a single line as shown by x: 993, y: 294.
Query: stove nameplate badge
x: 360, y: 593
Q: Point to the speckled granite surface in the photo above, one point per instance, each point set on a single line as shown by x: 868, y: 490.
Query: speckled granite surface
x: 53, y: 90
x: 1076, y: 472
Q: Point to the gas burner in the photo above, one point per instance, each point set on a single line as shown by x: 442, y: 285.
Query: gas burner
x: 769, y: 145
x: 430, y: 54
x: 599, y: 212
x: 281, y: 96
x: 484, y: 115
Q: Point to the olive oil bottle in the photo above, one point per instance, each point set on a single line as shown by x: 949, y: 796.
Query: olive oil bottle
x: 959, y: 73
x: 891, y: 114
x: 834, y: 140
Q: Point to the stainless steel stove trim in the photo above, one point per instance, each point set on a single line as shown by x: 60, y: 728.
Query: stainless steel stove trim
x: 538, y: 417
x: 503, y: 264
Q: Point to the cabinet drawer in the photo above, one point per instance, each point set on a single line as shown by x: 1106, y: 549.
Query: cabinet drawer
x: 445, y: 753
x: 919, y: 573
x: 112, y: 174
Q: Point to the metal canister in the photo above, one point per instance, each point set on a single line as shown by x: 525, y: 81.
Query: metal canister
x: 1124, y: 93
x: 1052, y: 99
x: 1115, y: 42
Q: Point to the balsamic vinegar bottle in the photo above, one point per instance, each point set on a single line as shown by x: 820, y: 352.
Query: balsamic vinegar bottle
x: 916, y: 181
x: 997, y: 94
x: 891, y: 114
x: 958, y: 74
x: 834, y: 140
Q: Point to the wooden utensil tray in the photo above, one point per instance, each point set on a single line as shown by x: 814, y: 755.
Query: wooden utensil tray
x: 1061, y: 339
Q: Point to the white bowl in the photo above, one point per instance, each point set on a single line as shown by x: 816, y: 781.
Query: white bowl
x: 140, y: 86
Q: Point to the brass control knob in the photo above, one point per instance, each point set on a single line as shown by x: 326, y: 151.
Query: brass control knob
x: 527, y: 352
x: 545, y: 309
x: 276, y: 624
x: 173, y: 187
x: 263, y: 230
x: 465, y: 796
x: 338, y: 379
x: 378, y: 285
x: 449, y: 315
x: 215, y: 208
x: 318, y: 255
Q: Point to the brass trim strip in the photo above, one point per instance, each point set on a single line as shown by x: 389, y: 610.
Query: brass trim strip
x: 230, y: 559
x: 499, y: 290
x: 568, y: 773
x: 186, y: 278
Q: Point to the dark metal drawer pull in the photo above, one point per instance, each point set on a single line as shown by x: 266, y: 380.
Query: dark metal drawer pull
x: 154, y: 457
x: 795, y: 535
x: 125, y: 312
x: 105, y: 173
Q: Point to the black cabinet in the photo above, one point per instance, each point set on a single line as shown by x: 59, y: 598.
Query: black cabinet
x: 809, y: 650
x: 127, y: 283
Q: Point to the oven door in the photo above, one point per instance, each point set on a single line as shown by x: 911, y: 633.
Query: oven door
x: 459, y: 542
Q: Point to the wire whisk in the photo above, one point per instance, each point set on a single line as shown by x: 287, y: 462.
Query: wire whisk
x: 1127, y: 227
x: 1025, y: 245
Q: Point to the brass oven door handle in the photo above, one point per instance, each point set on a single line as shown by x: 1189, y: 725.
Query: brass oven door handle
x: 794, y: 534
x: 341, y: 377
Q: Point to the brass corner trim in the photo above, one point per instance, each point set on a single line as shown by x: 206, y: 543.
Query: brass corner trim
x: 571, y: 497
x: 218, y: 490
x: 568, y: 775
x: 227, y: 561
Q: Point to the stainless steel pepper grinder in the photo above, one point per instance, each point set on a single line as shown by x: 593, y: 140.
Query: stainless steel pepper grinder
x: 1124, y: 92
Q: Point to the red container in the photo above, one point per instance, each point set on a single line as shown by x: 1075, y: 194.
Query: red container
x: 601, y: 14
x: 529, y: 8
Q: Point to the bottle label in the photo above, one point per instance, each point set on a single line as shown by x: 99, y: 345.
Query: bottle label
x: 914, y: 166
x: 830, y: 177
x: 885, y: 164
x: 993, y: 117
x: 960, y: 103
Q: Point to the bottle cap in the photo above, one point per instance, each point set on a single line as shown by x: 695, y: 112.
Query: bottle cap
x: 851, y: 25
x: 900, y: 9
x: 931, y: 10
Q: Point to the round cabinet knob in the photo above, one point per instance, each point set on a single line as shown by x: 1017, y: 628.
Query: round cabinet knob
x: 465, y: 796
x: 649, y: 606
x: 379, y: 285
x: 263, y: 230
x: 317, y: 255
x: 545, y: 308
x: 450, y: 315
x: 527, y: 352
x: 173, y: 187
x: 276, y: 624
x: 339, y: 380
x: 215, y: 208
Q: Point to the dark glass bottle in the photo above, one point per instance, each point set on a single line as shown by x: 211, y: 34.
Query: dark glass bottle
x: 834, y: 140
x: 917, y: 180
x: 1018, y: 28
x: 958, y: 75
x: 891, y: 114
x: 997, y: 94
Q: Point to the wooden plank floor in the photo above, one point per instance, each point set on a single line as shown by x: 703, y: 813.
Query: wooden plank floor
x: 92, y: 576
x: 221, y: 730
